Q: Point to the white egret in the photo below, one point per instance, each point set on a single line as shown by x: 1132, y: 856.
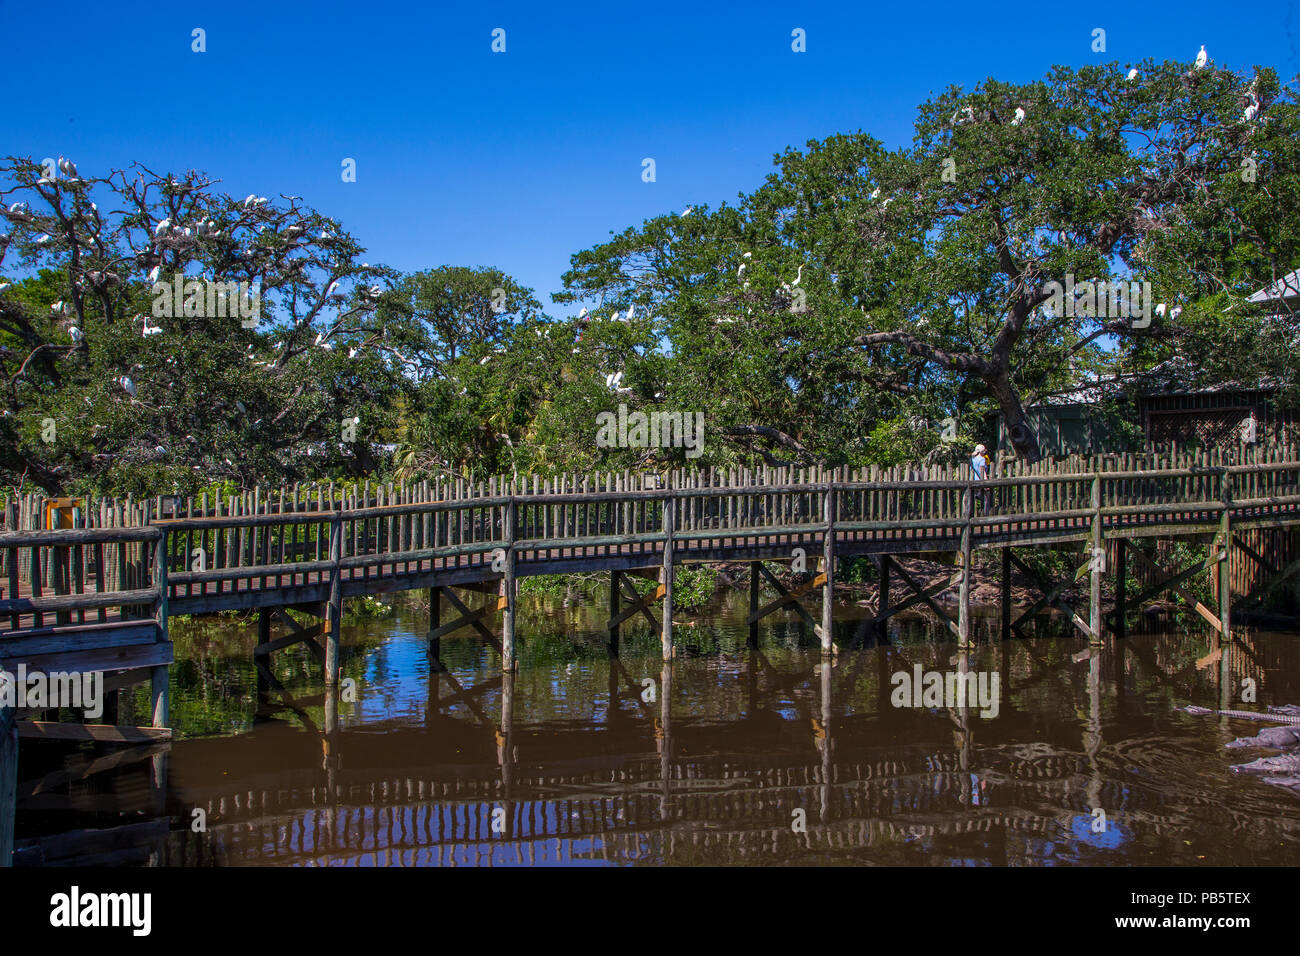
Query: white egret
x: 128, y: 386
x: 1132, y: 75
x: 44, y: 238
x: 875, y: 193
x: 1175, y: 312
x: 57, y: 306
x: 163, y: 226
x: 1251, y: 111
x: 69, y: 170
x: 582, y: 314
x: 747, y: 255
x: 3, y: 286
x: 688, y: 211
x: 1160, y: 310
x: 630, y: 310
x: 154, y: 273
x: 76, y: 335
x: 799, y: 277
x: 1019, y: 117
x: 1202, y: 58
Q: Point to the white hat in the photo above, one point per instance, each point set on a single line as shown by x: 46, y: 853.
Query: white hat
x: 979, y: 449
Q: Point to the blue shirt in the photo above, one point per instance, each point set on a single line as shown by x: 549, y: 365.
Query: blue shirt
x: 979, y: 465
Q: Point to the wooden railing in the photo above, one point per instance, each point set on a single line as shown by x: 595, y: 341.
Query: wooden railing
x: 393, y: 538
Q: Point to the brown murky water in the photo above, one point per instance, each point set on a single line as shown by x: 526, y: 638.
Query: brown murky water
x: 734, y: 755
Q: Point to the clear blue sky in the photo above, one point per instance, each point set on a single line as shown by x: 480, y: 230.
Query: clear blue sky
x: 517, y: 160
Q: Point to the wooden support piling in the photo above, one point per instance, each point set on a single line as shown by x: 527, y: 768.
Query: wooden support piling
x: 435, y: 619
x: 753, y: 603
x: 1097, y: 566
x: 963, y: 600
x: 885, y: 567
x: 508, y: 592
x: 8, y: 774
x: 1121, y: 587
x: 1006, y: 593
x: 334, y: 607
x: 160, y: 697
x: 613, y: 612
x: 828, y: 570
x: 1225, y: 566
x: 666, y: 638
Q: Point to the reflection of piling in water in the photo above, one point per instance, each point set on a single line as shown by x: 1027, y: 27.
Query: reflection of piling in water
x: 8, y: 779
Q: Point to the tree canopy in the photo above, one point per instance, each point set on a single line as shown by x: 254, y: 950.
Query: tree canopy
x: 833, y: 314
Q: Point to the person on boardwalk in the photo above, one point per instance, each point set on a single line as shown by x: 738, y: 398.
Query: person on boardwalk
x: 979, y: 467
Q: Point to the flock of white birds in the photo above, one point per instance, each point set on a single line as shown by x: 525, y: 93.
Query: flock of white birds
x: 613, y: 381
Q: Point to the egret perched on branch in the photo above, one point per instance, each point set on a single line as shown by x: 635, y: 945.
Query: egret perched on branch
x: 688, y: 210
x: 76, y: 335
x: 163, y: 226
x: 1019, y: 117
x: 1251, y: 112
x: 69, y: 170
x: 1202, y: 58
x: 1132, y: 75
x: 630, y: 310
x: 128, y: 386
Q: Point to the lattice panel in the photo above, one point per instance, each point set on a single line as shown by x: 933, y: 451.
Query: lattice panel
x: 1203, y: 428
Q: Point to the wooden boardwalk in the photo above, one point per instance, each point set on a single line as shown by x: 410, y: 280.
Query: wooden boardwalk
x: 98, y: 596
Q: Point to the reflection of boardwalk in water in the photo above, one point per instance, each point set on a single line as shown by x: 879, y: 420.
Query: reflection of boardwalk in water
x: 646, y: 785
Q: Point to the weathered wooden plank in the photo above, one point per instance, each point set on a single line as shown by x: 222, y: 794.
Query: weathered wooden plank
x: 101, y: 733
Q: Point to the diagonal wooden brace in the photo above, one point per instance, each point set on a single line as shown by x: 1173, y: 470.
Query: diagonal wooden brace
x: 1052, y: 596
x: 1174, y: 583
x: 921, y: 593
x: 791, y: 598
x: 472, y: 618
x: 640, y: 605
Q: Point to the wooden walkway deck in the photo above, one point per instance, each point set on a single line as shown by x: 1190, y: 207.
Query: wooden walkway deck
x: 98, y: 596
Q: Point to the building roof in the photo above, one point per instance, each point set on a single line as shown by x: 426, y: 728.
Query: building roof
x: 1285, y: 289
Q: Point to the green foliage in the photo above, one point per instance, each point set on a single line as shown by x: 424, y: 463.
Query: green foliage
x: 694, y: 585
x: 838, y: 312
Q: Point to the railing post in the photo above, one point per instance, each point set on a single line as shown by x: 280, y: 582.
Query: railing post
x: 828, y: 563
x: 508, y: 589
x: 158, y: 675
x: 1097, y: 565
x: 666, y: 638
x: 334, y: 608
